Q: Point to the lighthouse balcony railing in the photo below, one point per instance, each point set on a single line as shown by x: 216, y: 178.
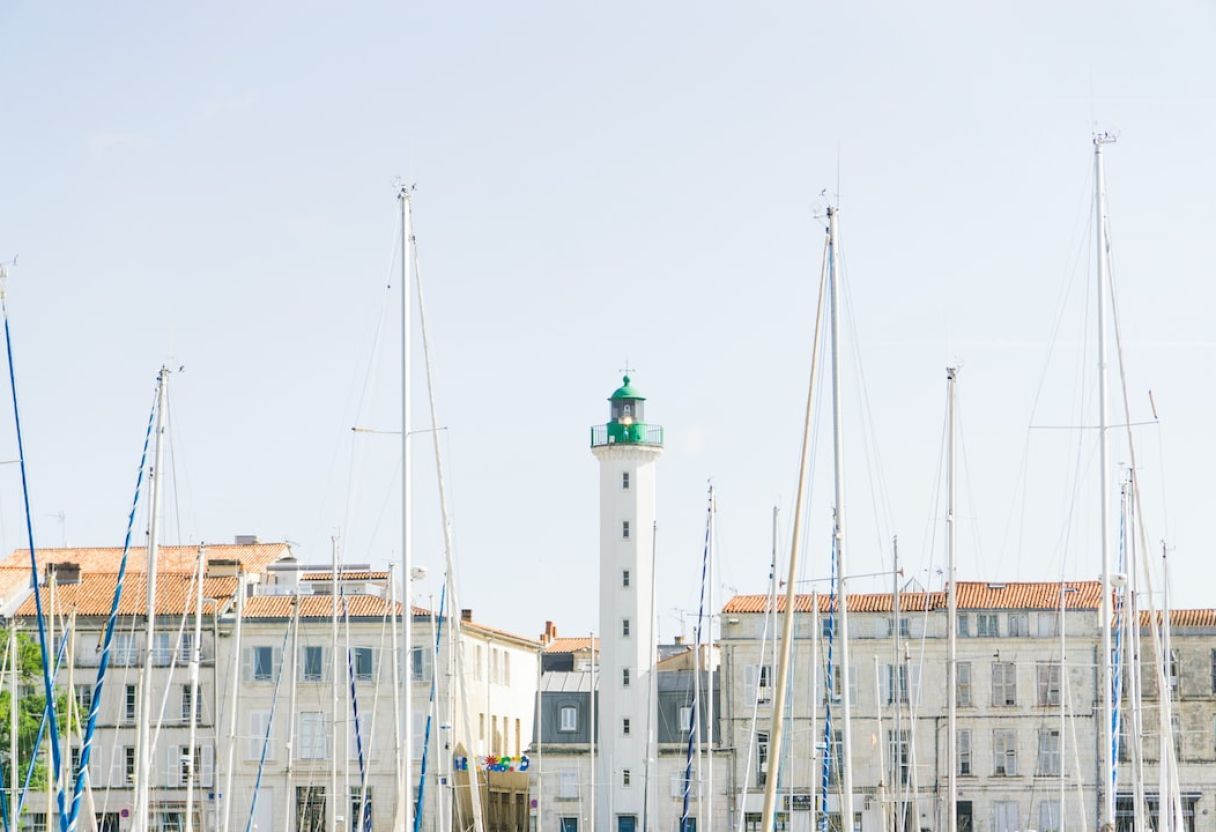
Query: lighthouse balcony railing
x: 615, y: 433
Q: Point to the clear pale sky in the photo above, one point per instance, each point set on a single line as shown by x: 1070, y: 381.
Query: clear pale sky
x: 213, y: 186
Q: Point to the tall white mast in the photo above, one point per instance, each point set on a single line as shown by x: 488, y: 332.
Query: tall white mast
x: 143, y: 774
x: 289, y: 797
x: 335, y: 675
x: 846, y: 729
x: 951, y: 613
x: 13, y: 684
x: 407, y: 511
x: 196, y: 650
x: 787, y: 621
x: 704, y: 808
x: 234, y: 692
x: 1105, y: 733
x: 399, y: 774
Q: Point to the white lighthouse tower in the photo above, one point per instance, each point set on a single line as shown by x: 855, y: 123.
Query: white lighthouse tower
x: 627, y: 449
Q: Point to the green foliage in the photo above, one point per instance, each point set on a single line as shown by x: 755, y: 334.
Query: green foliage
x: 31, y: 702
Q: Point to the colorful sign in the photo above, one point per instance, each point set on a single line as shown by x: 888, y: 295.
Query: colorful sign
x: 493, y: 763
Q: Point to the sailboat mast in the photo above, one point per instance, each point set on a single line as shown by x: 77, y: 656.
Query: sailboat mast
x: 195, y: 660
x: 13, y: 685
x: 1105, y: 733
x: 407, y: 513
x: 233, y: 704
x: 143, y: 774
x: 787, y: 622
x: 951, y: 613
x: 335, y: 675
x: 846, y: 729
x: 292, y: 705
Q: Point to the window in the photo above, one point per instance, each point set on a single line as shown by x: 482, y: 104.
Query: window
x: 161, y: 652
x: 33, y: 822
x: 185, y: 647
x: 685, y: 718
x: 625, y: 480
x: 962, y: 684
x: 263, y: 663
x: 905, y: 630
x: 1049, y: 816
x: 567, y: 824
x: 964, y: 625
x: 312, y: 669
x: 477, y: 671
x: 625, y: 726
x: 624, y: 530
x: 1175, y: 670
x: 259, y: 722
x: 1005, y: 816
x: 964, y: 753
x: 364, y: 664
x: 1214, y: 670
x: 986, y: 624
x: 1048, y: 764
x: 310, y: 809
x: 129, y: 701
x: 84, y: 698
x: 761, y: 757
x: 312, y: 744
x: 506, y: 667
x: 894, y: 684
x: 169, y: 822
x: 897, y: 753
x: 124, y: 649
x: 624, y: 677
x: 129, y: 762
x: 75, y: 759
x: 624, y: 628
x: 689, y: 825
x: 185, y: 768
x: 107, y: 822
x: 567, y: 786
x: 625, y: 578
x: 187, y: 703
x: 1047, y: 681
x: 1176, y: 731
x: 361, y: 796
x: 569, y: 718
x: 1004, y: 683
x: 418, y: 664
x: 1049, y: 625
x: 1019, y: 625
x: 752, y: 821
x: 1004, y: 753
x: 625, y: 777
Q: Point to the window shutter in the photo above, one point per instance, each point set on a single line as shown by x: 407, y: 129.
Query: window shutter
x: 247, y: 665
x: 208, y: 765
x: 117, y: 766
x: 173, y: 766
x: 884, y: 683
x: 750, y: 671
x: 914, y: 685
x: 277, y: 663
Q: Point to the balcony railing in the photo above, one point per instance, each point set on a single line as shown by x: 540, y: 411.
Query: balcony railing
x: 616, y: 433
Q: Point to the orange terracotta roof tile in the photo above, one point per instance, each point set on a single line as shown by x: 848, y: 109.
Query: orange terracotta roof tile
x: 95, y: 593
x: 1181, y: 618
x: 319, y: 606
x: 254, y: 557
x: 571, y: 644
x: 972, y: 595
x: 360, y: 575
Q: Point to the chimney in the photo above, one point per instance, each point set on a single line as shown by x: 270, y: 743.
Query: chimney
x: 65, y: 573
x: 679, y: 639
x: 466, y: 616
x: 246, y: 540
x: 550, y: 633
x: 223, y: 568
